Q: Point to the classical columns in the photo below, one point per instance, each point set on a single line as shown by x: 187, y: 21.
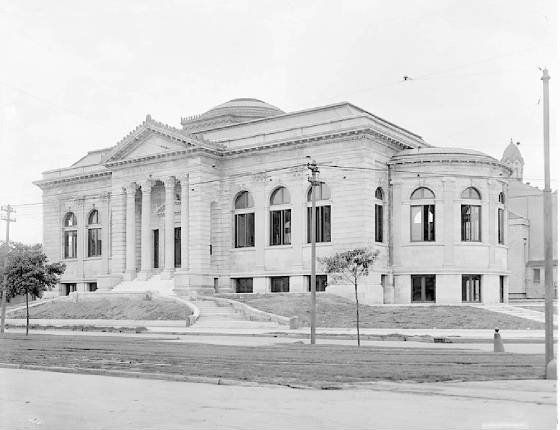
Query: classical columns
x: 146, y: 233
x: 130, y: 231
x: 185, y: 222
x: 169, y: 266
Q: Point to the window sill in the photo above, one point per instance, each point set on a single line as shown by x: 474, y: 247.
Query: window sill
x: 97, y: 257
x: 308, y: 245
x: 244, y: 249
x: 426, y: 243
x: 70, y: 259
x: 466, y: 243
x: 278, y: 246
x: 501, y: 245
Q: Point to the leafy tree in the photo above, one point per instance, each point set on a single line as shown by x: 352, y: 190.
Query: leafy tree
x: 28, y: 272
x: 351, y: 266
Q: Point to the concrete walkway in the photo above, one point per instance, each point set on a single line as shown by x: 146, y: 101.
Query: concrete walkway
x: 85, y: 402
x: 517, y: 311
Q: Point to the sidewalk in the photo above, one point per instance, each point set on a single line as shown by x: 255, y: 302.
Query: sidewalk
x: 179, y: 327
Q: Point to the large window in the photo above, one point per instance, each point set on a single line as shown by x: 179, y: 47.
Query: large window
x: 423, y: 288
x: 244, y: 285
x: 501, y: 211
x: 70, y: 236
x: 470, y: 216
x: 471, y: 288
x: 320, y: 282
x: 379, y: 214
x: 94, y: 234
x: 322, y: 213
x: 280, y: 217
x: 423, y: 216
x: 280, y: 284
x: 244, y: 221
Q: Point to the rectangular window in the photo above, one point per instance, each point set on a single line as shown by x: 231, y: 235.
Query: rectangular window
x: 323, y: 224
x: 68, y: 288
x: 244, y: 230
x: 470, y: 223
x: 423, y: 223
x: 502, y: 288
x: 280, y: 227
x: 501, y: 238
x: 156, y: 248
x: 471, y: 288
x: 94, y: 242
x: 70, y: 244
x: 379, y: 223
x: 537, y: 276
x: 92, y: 286
x: 423, y: 288
x: 280, y: 284
x: 320, y: 282
x: 244, y: 285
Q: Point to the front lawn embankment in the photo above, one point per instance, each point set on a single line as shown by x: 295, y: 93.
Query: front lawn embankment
x: 114, y: 308
x: 335, y: 311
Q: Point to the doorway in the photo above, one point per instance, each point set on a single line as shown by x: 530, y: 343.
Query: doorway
x: 156, y: 249
x: 177, y: 247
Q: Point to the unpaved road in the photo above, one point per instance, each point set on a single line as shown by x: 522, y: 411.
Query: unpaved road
x: 46, y: 400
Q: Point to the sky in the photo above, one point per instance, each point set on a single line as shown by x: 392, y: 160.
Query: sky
x: 78, y: 76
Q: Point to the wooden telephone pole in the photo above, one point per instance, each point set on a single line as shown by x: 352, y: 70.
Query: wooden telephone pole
x: 547, y: 230
x: 312, y: 166
x: 6, y: 217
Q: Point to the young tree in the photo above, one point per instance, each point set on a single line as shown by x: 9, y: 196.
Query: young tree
x: 28, y: 272
x: 351, y: 266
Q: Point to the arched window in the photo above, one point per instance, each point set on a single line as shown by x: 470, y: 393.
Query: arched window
x: 94, y: 234
x: 379, y: 214
x: 70, y: 236
x: 422, y: 193
x: 470, y: 216
x: 423, y: 216
x: 280, y: 217
x: 322, y: 213
x: 470, y: 193
x: 501, y: 219
x: 70, y: 220
x: 244, y: 220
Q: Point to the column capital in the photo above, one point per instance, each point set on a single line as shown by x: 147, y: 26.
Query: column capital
x: 131, y: 187
x: 146, y: 185
x: 184, y: 179
x: 169, y: 182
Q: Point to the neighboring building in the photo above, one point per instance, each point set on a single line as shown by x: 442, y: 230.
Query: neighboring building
x: 526, y: 244
x: 223, y: 205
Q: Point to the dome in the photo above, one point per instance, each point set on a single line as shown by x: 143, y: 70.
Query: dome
x: 233, y: 112
x: 512, y: 153
x: 244, y: 107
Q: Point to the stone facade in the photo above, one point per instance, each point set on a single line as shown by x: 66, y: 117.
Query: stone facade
x: 166, y: 200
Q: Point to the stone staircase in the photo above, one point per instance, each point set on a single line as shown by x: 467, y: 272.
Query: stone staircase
x: 214, y: 316
x: 155, y: 285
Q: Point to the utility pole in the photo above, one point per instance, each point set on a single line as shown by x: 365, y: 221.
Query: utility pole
x: 312, y: 166
x: 6, y: 217
x: 547, y: 228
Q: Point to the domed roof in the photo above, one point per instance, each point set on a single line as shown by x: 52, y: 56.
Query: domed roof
x: 512, y: 153
x: 243, y: 107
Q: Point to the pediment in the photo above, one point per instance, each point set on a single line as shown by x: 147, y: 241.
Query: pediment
x: 152, y: 144
x: 148, y: 139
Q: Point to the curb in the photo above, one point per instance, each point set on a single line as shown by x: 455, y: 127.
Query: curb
x: 142, y: 375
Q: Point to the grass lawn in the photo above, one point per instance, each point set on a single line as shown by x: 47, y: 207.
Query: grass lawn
x: 117, y: 308
x: 335, y: 311
x: 287, y: 364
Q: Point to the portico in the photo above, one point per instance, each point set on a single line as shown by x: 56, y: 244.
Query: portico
x: 160, y: 227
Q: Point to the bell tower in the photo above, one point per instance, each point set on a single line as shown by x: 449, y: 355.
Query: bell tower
x: 513, y: 159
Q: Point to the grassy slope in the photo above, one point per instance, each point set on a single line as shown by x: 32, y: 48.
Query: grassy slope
x: 319, y: 365
x: 335, y: 311
x: 118, y: 308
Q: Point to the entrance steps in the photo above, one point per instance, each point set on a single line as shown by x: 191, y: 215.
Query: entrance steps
x: 154, y: 284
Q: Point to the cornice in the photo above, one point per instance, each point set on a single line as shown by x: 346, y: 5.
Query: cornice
x: 449, y: 160
x: 47, y: 183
